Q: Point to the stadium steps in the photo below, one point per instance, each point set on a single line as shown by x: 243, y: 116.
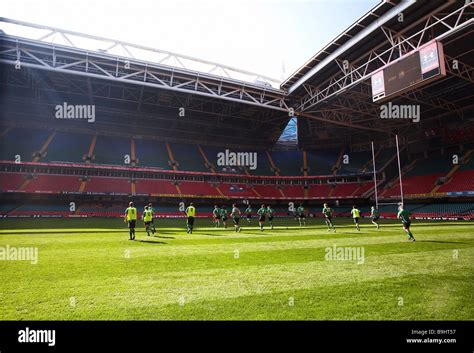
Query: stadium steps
x: 395, y: 180
x: 24, y: 185
x: 281, y: 192
x: 331, y: 191
x: 206, y: 160
x: 170, y: 155
x: 4, y: 132
x: 133, y: 187
x: 272, y: 163
x: 467, y: 156
x: 456, y: 174
x: 370, y: 162
x: 371, y: 191
x: 219, y: 191
x: 82, y: 186
x: 337, y: 165
x: 246, y: 171
x: 255, y: 192
x: 44, y: 148
x: 90, y: 153
x: 178, y: 189
x: 356, y: 190
x: 133, y: 153
x: 305, y: 165
x: 14, y: 208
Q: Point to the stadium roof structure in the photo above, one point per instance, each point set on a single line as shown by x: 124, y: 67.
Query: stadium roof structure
x: 142, y: 90
x: 136, y: 86
x: 335, y: 83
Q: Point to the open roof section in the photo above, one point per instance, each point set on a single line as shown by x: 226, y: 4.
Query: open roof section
x: 324, y: 93
x: 362, y: 36
x: 344, y: 41
x: 131, y: 51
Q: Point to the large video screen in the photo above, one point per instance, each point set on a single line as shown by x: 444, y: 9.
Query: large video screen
x: 414, y: 69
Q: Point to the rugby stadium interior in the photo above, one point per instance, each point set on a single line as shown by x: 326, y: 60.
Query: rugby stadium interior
x: 158, y: 130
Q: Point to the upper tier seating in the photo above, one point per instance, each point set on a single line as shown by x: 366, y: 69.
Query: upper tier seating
x: 111, y: 150
x: 322, y: 162
x: 67, y: 147
x: 356, y: 162
x: 22, y: 142
x: 151, y: 153
x: 188, y: 157
x: 290, y: 163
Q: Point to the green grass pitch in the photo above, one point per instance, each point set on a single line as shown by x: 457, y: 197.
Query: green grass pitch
x: 88, y: 270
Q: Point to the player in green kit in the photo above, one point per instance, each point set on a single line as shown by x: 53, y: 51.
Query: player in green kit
x: 131, y: 218
x: 301, y: 215
x: 224, y: 216
x: 248, y: 213
x: 404, y: 216
x: 216, y: 215
x: 235, y: 213
x: 374, y: 216
x: 327, y: 212
x: 262, y: 211
x: 355, y: 212
x: 152, y: 223
x: 147, y: 217
x: 270, y: 213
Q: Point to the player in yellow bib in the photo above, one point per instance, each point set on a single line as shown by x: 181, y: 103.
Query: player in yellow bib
x: 356, y: 215
x: 147, y: 219
x: 190, y: 214
x: 131, y: 218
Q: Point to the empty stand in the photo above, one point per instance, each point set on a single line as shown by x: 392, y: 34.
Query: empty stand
x: 322, y: 162
x: 53, y: 183
x: 111, y: 150
x: 155, y: 187
x: 11, y: 181
x: 188, y: 157
x: 22, y: 142
x: 152, y: 153
x: 67, y: 147
x: 290, y: 163
x: 108, y: 185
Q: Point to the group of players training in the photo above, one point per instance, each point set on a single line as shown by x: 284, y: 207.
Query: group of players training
x: 220, y: 214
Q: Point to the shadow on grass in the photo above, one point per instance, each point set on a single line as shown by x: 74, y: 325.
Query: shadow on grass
x: 64, y: 231
x: 442, y: 242
x: 150, y: 241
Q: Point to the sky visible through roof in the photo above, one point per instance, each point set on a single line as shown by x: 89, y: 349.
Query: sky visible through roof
x: 270, y: 37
